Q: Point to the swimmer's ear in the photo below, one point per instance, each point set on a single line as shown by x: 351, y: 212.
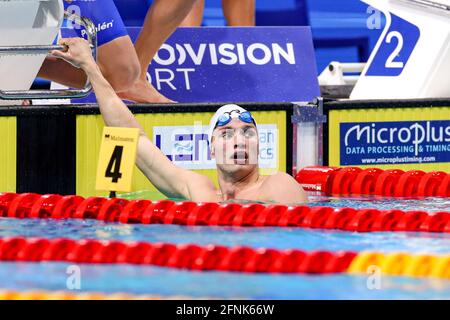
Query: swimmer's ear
x: 257, y: 148
x: 213, y: 151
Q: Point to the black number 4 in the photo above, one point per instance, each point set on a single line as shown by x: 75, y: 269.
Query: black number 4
x: 115, y: 162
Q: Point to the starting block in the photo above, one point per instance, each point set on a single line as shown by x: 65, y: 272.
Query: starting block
x: 412, y: 57
x: 27, y: 32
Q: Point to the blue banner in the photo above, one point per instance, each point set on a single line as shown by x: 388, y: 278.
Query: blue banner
x: 236, y: 64
x: 264, y: 64
x: 400, y: 142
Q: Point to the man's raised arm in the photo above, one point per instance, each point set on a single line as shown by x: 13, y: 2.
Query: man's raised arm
x: 167, y: 178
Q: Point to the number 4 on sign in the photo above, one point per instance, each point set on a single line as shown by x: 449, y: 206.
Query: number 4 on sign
x: 116, y: 159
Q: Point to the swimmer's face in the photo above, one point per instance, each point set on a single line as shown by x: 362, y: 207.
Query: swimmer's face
x: 235, y: 146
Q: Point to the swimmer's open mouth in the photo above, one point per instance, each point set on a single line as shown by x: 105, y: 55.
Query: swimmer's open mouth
x: 240, y: 157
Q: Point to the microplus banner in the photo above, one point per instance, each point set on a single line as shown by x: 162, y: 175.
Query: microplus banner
x: 399, y: 142
x: 226, y: 64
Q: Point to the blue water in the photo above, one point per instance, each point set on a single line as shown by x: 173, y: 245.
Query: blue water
x: 277, y: 238
x: 172, y: 282
x: 425, y: 204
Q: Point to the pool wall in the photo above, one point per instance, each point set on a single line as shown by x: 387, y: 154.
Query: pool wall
x: 54, y: 149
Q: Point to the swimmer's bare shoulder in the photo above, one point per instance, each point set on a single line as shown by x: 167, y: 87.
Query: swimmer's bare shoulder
x: 200, y: 187
x: 282, y: 188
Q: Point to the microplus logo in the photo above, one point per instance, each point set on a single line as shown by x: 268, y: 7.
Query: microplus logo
x: 414, y: 134
x: 226, y: 54
x: 414, y: 139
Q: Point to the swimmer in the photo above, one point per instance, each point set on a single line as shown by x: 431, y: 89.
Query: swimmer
x: 234, y: 145
x: 122, y: 64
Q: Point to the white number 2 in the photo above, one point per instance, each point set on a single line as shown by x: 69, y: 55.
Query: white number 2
x: 390, y: 63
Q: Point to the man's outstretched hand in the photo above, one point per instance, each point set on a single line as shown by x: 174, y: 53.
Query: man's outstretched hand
x: 78, y: 52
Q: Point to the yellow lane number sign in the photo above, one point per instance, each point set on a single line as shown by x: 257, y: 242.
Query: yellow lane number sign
x: 117, y: 158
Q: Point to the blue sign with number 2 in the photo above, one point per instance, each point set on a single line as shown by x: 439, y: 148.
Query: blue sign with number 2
x: 396, y: 48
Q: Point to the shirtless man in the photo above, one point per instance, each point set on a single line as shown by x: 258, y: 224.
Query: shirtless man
x: 122, y: 64
x: 234, y: 146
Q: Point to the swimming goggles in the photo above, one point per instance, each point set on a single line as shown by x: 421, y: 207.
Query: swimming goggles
x: 226, y: 117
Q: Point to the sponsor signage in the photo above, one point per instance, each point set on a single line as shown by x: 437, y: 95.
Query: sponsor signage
x: 264, y: 64
x: 407, y: 138
x: 188, y: 146
x: 396, y: 142
x: 236, y: 64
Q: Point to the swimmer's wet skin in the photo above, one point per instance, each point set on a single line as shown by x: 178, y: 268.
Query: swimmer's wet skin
x: 234, y: 145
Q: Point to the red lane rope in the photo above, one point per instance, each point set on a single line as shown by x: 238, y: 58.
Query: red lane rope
x: 189, y: 256
x: 390, y: 183
x: 30, y: 205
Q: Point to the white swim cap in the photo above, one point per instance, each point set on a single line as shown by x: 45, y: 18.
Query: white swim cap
x: 224, y: 109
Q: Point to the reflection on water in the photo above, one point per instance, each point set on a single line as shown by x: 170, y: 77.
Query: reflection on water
x: 405, y: 204
x: 226, y: 285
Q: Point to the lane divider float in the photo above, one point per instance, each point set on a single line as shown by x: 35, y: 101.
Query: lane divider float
x: 373, y: 181
x: 221, y: 258
x: 31, y: 205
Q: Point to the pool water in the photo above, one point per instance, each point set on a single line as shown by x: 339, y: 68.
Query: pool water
x: 369, y: 202
x: 265, y: 237
x: 224, y: 285
x: 173, y: 282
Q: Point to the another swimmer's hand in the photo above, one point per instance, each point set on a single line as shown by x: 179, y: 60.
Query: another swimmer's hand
x: 78, y: 52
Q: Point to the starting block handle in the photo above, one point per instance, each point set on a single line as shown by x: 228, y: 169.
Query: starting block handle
x: 29, y: 49
x: 430, y: 4
x: 39, y: 49
x: 46, y: 94
x: 32, y: 49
